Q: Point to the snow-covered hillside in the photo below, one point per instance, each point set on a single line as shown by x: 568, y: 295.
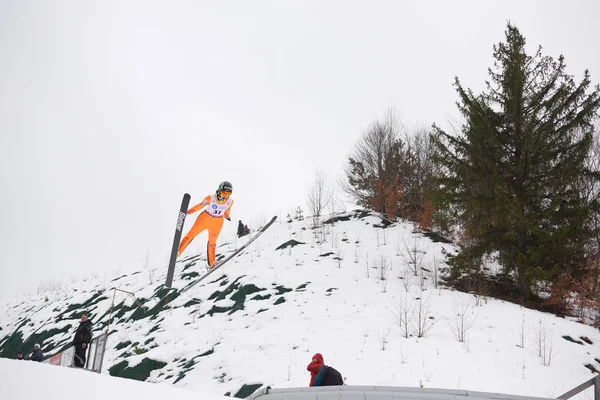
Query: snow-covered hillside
x: 340, y: 291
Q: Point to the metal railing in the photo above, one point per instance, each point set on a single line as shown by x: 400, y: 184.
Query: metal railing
x: 351, y: 392
x: 392, y: 393
x: 595, y: 382
x: 94, y: 359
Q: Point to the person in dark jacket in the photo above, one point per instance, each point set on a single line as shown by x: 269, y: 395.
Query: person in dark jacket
x: 243, y: 230
x: 315, y: 364
x: 81, y: 340
x: 328, y: 376
x: 37, y: 353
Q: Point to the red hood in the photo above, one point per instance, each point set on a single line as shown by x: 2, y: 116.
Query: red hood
x: 319, y: 358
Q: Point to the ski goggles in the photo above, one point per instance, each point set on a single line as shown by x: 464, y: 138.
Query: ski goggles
x: 224, y: 193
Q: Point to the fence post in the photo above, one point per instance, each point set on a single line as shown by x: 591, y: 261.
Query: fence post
x: 597, y: 387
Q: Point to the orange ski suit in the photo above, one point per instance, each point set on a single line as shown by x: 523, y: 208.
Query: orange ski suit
x: 212, y: 219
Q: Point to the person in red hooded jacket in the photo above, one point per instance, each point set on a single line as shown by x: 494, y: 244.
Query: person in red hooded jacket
x: 314, y: 367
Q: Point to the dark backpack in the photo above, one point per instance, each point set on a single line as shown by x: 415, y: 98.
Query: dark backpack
x: 332, y: 377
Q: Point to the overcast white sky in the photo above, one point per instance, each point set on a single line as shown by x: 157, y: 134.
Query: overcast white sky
x: 111, y: 110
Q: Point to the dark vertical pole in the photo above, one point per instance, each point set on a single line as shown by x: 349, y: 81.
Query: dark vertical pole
x: 178, y: 229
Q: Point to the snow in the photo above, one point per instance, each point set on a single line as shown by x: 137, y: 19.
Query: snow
x: 26, y: 380
x: 334, y: 304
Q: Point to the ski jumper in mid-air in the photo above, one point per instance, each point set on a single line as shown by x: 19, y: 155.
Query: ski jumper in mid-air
x: 216, y: 207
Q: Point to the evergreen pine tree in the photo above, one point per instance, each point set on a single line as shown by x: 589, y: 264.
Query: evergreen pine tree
x: 510, y: 177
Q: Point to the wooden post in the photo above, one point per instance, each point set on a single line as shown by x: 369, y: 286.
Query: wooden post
x: 111, y: 309
x: 110, y: 317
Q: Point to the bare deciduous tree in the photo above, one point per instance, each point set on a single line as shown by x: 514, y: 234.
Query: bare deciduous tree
x: 413, y: 255
x: 461, y: 322
x: 407, y: 278
x: 375, y: 160
x: 403, y: 314
x: 417, y: 171
x: 146, y: 266
x: 543, y: 341
x: 336, y: 204
x: 522, y: 333
x: 318, y: 196
x: 422, y: 278
x: 435, y: 268
x: 383, y: 337
x: 289, y: 369
x: 382, y: 264
x: 422, y: 320
x: 404, y: 356
x: 339, y: 257
x: 391, y: 168
x: 49, y: 285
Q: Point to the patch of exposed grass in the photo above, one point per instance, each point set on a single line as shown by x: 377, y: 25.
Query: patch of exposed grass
x: 189, y: 265
x: 586, y: 339
x: 192, y: 302
x: 13, y: 343
x: 570, y: 339
x: 165, y: 296
x: 437, y: 237
x: 279, y: 301
x: 261, y: 297
x: 302, y: 287
x: 81, y: 307
x: 116, y: 369
x: 120, y: 277
x: 384, y: 223
x: 141, y: 371
x: 592, y: 368
x: 154, y: 328
x: 190, y: 364
x: 282, y: 289
x: 236, y: 293
x: 338, y: 218
x: 189, y: 275
x: 289, y: 243
x: 44, y: 337
x: 246, y: 390
x: 121, y: 309
x: 122, y: 345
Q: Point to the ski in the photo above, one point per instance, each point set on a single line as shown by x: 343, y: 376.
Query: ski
x: 185, y: 202
x: 235, y: 253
